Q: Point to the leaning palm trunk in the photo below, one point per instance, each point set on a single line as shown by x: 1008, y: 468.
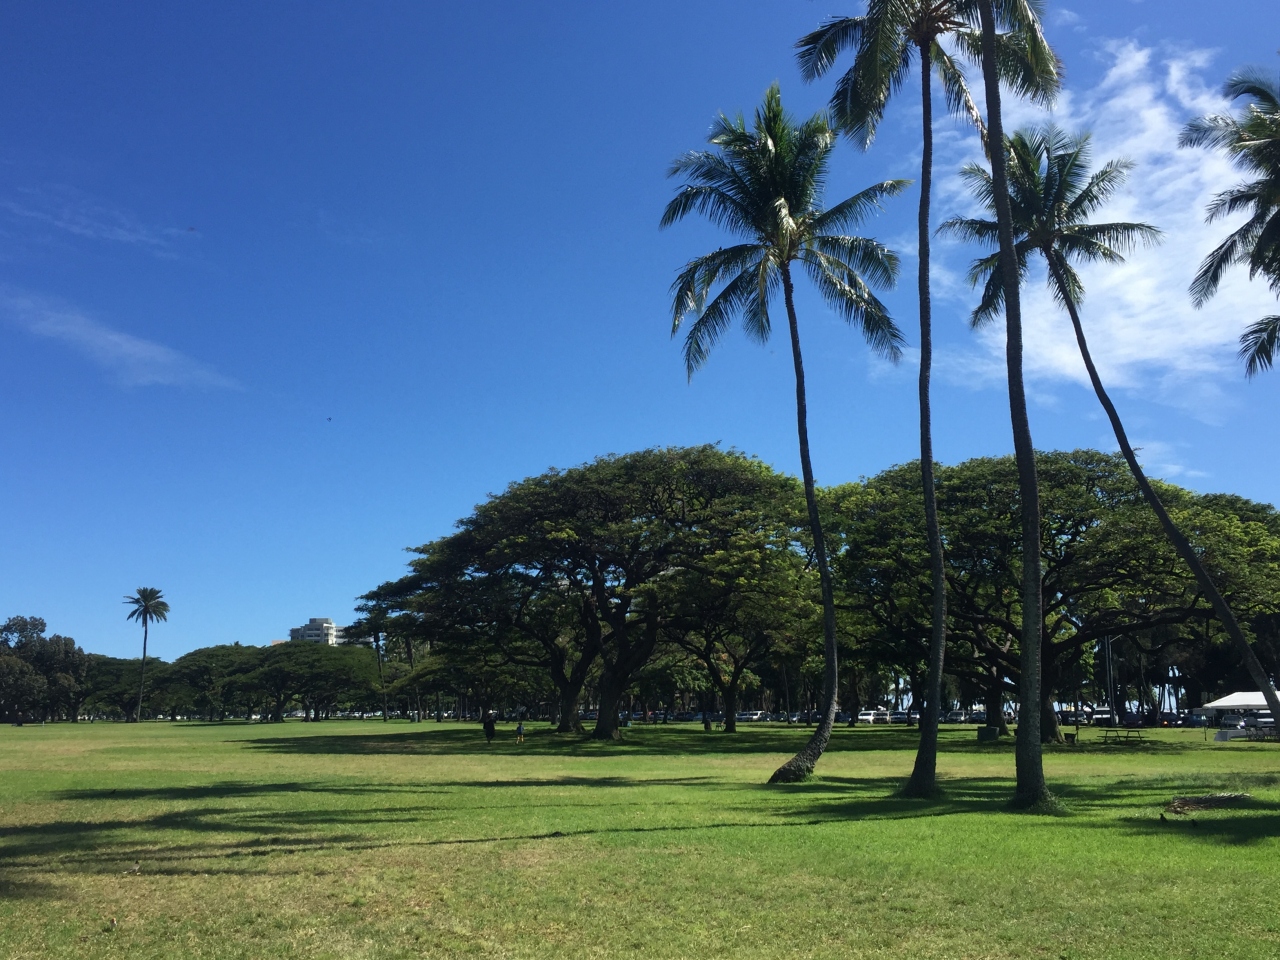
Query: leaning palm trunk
x: 1031, y: 787
x: 1180, y: 543
x: 801, y: 765
x: 924, y: 780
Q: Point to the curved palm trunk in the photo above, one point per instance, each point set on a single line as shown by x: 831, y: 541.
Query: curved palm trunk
x: 924, y: 777
x: 801, y: 765
x: 1180, y: 543
x: 1031, y: 787
x: 142, y: 674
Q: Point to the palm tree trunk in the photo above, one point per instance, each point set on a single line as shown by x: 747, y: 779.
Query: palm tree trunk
x: 377, y: 649
x: 924, y: 780
x: 1031, y: 788
x: 801, y: 765
x: 142, y: 673
x: 1180, y: 543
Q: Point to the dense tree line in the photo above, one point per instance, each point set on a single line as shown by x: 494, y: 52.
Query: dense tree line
x: 52, y: 678
x: 682, y: 581
x: 684, y: 577
x: 41, y: 678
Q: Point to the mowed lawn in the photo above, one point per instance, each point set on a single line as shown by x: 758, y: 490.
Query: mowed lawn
x: 351, y: 839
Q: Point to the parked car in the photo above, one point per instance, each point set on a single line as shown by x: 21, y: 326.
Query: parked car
x: 867, y: 716
x: 898, y: 716
x: 881, y: 716
x: 979, y: 717
x: 955, y: 716
x: 752, y: 716
x: 1232, y: 721
x: 1196, y: 720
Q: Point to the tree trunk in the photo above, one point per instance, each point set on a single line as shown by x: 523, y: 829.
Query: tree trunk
x: 382, y: 683
x: 995, y: 708
x: 570, y: 722
x: 1031, y: 788
x: 786, y: 692
x: 142, y: 673
x: 1180, y: 543
x: 800, y: 767
x: 730, y: 695
x: 607, y: 717
x: 924, y: 776
x: 1049, y: 730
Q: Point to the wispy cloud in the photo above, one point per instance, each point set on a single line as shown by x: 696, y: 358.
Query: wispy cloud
x: 70, y: 211
x: 129, y: 361
x: 1143, y: 330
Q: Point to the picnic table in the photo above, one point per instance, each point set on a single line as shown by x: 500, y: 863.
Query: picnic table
x: 1121, y: 734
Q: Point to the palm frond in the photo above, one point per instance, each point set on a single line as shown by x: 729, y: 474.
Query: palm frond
x: 1252, y: 82
x: 694, y: 282
x: 816, y: 52
x: 1214, y: 130
x: 1258, y: 345
x: 716, y: 318
x: 970, y: 229
x: 991, y: 304
x: 860, y: 255
x: 1116, y: 239
x: 1234, y: 249
x: 1100, y: 187
x: 850, y: 297
x: 955, y: 88
x: 853, y: 211
x: 1066, y: 288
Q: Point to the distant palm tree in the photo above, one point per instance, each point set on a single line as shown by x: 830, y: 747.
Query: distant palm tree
x: 1053, y: 194
x: 148, y: 607
x: 883, y: 42
x: 765, y: 185
x: 1030, y: 789
x: 1252, y: 140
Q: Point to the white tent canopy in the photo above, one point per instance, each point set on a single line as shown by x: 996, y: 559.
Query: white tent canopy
x: 1239, y: 701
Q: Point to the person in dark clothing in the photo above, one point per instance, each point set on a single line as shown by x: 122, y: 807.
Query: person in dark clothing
x: 490, y: 728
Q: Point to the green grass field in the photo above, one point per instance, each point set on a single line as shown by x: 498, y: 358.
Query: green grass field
x: 363, y: 839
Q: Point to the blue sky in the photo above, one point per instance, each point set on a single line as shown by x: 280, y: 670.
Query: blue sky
x: 286, y: 288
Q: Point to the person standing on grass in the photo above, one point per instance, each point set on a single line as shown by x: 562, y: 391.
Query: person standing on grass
x: 520, y: 732
x: 490, y: 728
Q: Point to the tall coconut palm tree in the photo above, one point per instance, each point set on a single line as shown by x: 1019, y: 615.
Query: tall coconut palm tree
x: 148, y: 606
x: 765, y: 185
x: 883, y: 42
x: 1252, y: 140
x: 1053, y: 194
x: 1030, y: 790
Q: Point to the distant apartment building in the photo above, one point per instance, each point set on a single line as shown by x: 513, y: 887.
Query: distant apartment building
x: 318, y: 630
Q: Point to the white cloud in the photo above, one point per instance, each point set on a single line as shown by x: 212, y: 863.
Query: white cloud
x: 1143, y: 331
x: 70, y: 211
x: 128, y: 360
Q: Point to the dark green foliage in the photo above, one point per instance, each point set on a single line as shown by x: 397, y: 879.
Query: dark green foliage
x: 42, y: 677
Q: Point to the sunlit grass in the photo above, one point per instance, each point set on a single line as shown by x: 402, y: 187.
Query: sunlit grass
x: 351, y: 839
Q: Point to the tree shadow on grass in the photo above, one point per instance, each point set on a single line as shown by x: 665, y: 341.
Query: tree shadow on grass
x: 211, y: 836
x: 659, y: 740
x: 238, y: 788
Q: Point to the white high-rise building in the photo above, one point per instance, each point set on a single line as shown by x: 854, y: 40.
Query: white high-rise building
x: 317, y: 630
